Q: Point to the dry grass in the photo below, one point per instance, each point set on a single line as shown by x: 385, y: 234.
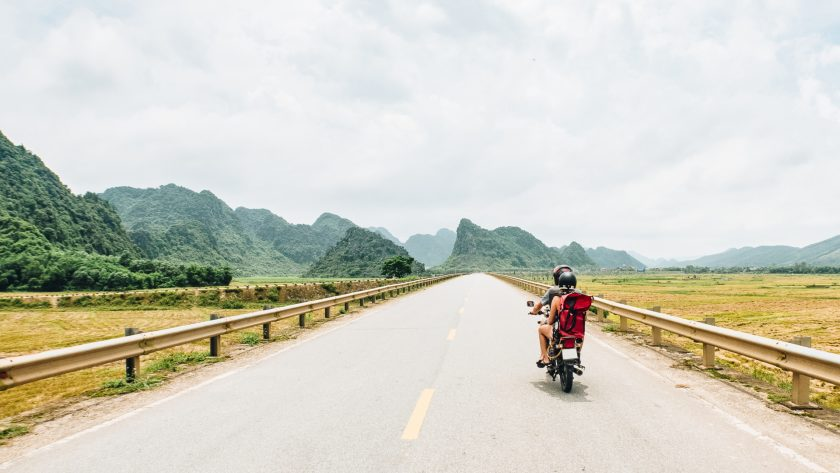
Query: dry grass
x: 37, y: 330
x: 775, y: 306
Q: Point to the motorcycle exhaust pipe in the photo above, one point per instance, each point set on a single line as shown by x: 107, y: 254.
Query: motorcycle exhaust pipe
x: 578, y: 370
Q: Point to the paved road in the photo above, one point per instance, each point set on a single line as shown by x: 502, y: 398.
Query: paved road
x: 441, y: 380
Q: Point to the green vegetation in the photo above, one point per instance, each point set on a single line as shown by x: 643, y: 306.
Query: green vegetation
x: 29, y: 262
x: 477, y: 249
x: 12, y: 431
x: 249, y: 338
x: 397, y: 266
x: 431, y: 250
x: 361, y: 253
x: 175, y: 224
x: 116, y: 387
x: 173, y: 362
x: 31, y: 193
x: 51, y: 240
x: 303, y: 244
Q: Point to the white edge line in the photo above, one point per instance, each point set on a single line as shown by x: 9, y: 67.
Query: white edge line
x: 730, y: 418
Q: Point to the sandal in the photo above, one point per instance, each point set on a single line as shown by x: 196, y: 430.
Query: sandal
x: 541, y: 364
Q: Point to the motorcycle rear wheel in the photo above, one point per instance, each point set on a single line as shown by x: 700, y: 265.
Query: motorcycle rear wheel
x: 566, y: 377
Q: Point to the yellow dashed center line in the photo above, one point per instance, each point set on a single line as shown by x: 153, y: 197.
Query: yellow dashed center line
x: 451, y: 335
x: 415, y: 422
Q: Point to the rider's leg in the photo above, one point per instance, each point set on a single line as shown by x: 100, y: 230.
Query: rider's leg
x: 544, y: 332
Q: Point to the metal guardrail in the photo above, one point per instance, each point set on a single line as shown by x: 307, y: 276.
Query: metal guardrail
x: 18, y: 370
x: 802, y: 361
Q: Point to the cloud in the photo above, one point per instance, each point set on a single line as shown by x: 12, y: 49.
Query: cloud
x: 668, y: 129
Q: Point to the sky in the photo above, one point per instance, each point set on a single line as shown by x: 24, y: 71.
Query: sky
x: 673, y: 129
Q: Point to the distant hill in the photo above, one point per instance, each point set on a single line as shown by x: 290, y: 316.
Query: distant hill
x: 612, y: 259
x: 332, y: 227
x: 52, y: 240
x: 431, y: 250
x: 385, y: 233
x: 575, y: 256
x: 173, y: 223
x: 303, y: 244
x: 747, y: 256
x: 478, y: 249
x: 359, y: 254
x: 823, y: 253
x: 654, y: 262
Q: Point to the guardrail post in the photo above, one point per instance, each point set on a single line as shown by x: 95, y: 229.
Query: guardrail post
x: 132, y: 365
x: 215, y: 342
x: 656, y: 331
x: 601, y: 312
x: 361, y: 302
x: 327, y: 312
x: 302, y: 320
x: 346, y: 307
x: 266, y: 326
x: 623, y: 326
x: 800, y: 395
x: 709, y: 350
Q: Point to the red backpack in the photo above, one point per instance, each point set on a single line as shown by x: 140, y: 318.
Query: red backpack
x: 573, y: 308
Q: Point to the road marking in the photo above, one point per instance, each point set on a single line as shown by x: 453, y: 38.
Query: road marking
x: 451, y: 335
x: 412, y: 429
x: 461, y: 311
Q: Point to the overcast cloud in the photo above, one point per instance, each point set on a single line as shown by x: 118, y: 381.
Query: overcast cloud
x: 672, y: 130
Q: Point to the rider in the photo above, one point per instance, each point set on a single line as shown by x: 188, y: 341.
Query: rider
x: 565, y: 281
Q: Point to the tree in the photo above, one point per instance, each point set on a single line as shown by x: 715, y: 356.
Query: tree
x: 397, y: 266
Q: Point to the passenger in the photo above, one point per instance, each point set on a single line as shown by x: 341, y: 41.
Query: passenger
x: 564, y: 282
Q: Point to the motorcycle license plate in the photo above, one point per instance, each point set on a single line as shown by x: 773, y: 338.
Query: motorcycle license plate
x: 570, y: 354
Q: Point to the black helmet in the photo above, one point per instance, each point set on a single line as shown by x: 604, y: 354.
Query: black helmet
x: 567, y: 279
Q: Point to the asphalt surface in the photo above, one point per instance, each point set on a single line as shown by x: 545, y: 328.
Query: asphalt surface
x: 444, y: 380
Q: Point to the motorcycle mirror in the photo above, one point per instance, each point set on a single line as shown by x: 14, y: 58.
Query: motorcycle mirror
x: 530, y: 303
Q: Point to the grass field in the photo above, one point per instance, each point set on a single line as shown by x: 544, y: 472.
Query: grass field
x: 34, y: 329
x: 778, y: 306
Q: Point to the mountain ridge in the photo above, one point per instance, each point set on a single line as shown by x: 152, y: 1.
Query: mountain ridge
x: 360, y: 253
x: 479, y: 249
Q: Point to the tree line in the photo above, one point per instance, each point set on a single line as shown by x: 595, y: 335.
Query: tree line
x: 28, y: 261
x: 798, y: 268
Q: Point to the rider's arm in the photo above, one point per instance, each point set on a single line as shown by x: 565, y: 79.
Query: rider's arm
x: 540, y: 303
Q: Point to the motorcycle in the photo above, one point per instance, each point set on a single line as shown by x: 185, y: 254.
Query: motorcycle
x: 564, y: 348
